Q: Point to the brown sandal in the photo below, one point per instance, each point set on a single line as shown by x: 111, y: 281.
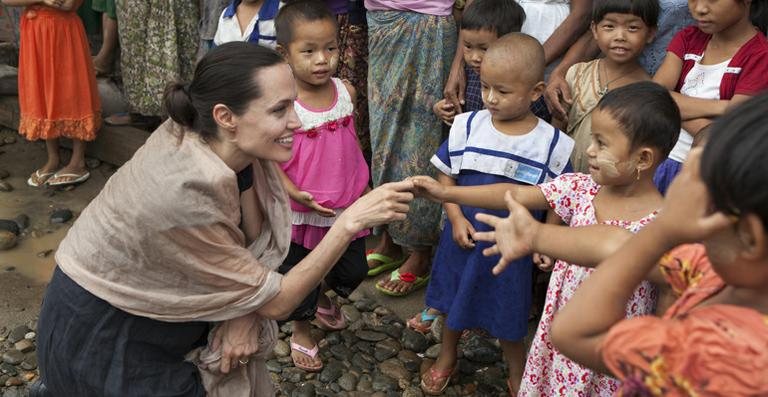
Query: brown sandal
x: 438, y: 380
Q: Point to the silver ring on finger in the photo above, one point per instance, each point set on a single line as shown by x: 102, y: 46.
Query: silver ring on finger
x: 243, y: 361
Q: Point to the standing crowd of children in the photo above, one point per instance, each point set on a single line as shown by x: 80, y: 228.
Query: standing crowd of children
x: 517, y: 192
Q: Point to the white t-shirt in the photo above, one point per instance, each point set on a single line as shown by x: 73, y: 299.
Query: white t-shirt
x: 542, y: 17
x: 260, y: 29
x: 703, y: 81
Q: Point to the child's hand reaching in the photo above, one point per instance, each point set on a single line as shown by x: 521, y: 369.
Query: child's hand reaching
x: 543, y: 262
x: 445, y: 110
x: 686, y: 215
x: 428, y: 188
x: 306, y: 199
x: 513, y: 236
x: 462, y: 232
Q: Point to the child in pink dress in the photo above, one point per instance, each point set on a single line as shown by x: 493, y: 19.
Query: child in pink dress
x: 327, y: 172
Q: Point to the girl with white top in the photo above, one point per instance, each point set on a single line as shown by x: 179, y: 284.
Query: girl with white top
x: 710, y: 67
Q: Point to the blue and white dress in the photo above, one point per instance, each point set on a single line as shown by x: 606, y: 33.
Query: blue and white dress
x: 462, y: 286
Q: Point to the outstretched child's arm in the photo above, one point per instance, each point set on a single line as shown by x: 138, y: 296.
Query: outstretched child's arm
x: 684, y: 218
x: 483, y: 196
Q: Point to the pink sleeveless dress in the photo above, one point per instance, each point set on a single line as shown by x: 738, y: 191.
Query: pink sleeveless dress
x: 328, y: 163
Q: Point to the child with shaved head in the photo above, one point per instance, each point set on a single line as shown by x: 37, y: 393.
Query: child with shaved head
x: 505, y: 143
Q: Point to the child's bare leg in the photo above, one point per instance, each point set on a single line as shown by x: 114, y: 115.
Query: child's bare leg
x: 439, y: 374
x: 514, y: 355
x: 104, y: 59
x: 52, y: 148
x: 386, y: 247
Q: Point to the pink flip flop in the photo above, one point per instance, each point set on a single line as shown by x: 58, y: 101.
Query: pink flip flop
x: 312, y: 353
x: 334, y: 313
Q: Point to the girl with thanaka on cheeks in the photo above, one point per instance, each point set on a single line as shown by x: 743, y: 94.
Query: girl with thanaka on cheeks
x: 327, y: 172
x: 621, y: 28
x: 633, y: 129
x: 708, y: 244
x: 712, y: 66
x: 506, y: 143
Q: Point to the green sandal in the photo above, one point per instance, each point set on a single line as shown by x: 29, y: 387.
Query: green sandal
x: 408, y: 278
x: 387, y: 263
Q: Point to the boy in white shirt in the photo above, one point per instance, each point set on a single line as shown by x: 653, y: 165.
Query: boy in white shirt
x: 252, y: 21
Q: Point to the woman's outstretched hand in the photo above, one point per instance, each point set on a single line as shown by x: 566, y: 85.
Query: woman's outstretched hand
x: 428, y: 188
x: 387, y: 203
x: 513, y: 236
x: 686, y: 215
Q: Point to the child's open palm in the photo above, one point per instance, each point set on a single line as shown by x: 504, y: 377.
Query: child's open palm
x: 308, y: 200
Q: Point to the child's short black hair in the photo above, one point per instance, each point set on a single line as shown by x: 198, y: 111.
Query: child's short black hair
x: 734, y: 164
x: 300, y: 10
x: 647, y: 114
x: 647, y: 10
x: 500, y: 16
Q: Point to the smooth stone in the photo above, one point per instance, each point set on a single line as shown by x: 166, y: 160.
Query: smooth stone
x: 24, y: 346
x: 18, y: 333
x: 4, y: 174
x: 282, y: 349
x: 414, y: 341
x: 393, y: 330
x: 5, y: 186
x: 356, y: 326
x: 332, y: 370
x: 30, y: 335
x: 480, y: 350
x: 92, y: 163
x: 363, y: 361
x: 285, y: 360
x: 392, y: 320
x: 365, y: 347
x: 8, y: 369
x: 493, y: 376
x: 365, y: 305
x: 4, y: 378
x: 7, y: 240
x: 286, y: 328
x: 287, y: 387
x: 61, y: 216
x: 14, y: 381
x: 386, y: 349
x: 348, y: 381
x: 274, y: 366
x: 9, y: 226
x: 410, y: 360
x: 365, y: 385
x: 350, y: 313
x: 292, y: 374
x: 333, y: 338
x: 349, y: 337
x: 383, y: 382
x: 305, y: 390
x: 371, y: 320
x: 436, y: 330
x: 341, y: 352
x: 13, y: 357
x: 13, y: 392
x: 433, y: 351
x: 356, y: 295
x: 371, y: 336
x: 22, y: 221
x: 382, y: 311
x: 395, y: 369
x: 413, y: 392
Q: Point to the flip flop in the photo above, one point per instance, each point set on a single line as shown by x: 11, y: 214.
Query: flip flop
x: 79, y: 178
x: 38, y: 178
x: 408, y: 278
x: 312, y: 353
x: 438, y: 379
x: 387, y: 263
x: 339, y: 322
x: 417, y: 322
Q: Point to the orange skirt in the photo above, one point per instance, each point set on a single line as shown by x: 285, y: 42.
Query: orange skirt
x: 57, y: 85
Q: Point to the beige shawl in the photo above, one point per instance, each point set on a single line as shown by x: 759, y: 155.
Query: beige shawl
x: 162, y: 240
x: 584, y: 82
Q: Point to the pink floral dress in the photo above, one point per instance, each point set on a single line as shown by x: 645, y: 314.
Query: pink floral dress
x: 547, y: 372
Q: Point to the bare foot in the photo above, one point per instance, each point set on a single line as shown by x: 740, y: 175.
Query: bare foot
x: 417, y: 264
x: 302, y: 337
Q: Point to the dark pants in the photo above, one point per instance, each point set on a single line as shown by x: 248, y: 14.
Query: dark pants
x: 87, y: 347
x: 344, y: 277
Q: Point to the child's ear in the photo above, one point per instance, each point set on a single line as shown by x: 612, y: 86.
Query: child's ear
x: 593, y: 28
x: 646, y: 157
x: 651, y: 35
x: 751, y: 232
x: 281, y: 50
x: 225, y: 119
x: 537, y: 91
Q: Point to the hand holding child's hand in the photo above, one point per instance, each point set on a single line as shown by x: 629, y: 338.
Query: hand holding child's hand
x: 428, y: 188
x: 445, y: 110
x: 513, y: 236
x: 543, y: 262
x: 462, y: 233
x: 686, y: 215
x: 306, y: 199
x: 558, y: 96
